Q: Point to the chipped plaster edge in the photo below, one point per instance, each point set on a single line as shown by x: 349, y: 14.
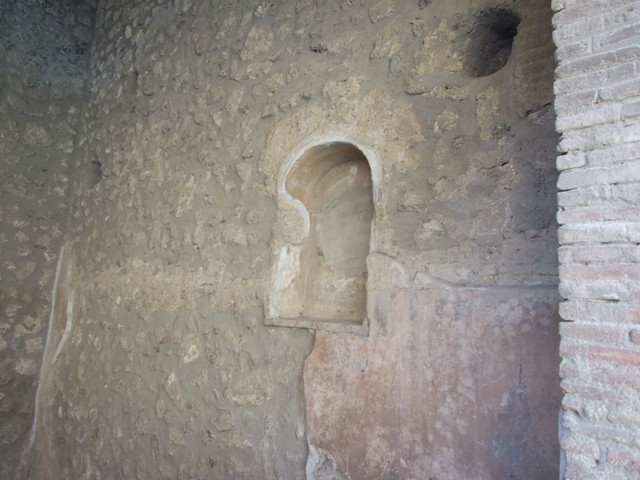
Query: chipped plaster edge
x: 63, y: 273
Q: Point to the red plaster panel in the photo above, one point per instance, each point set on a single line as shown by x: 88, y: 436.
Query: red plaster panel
x: 459, y: 384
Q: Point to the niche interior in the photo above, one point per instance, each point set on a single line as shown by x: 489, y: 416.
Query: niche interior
x: 322, y: 280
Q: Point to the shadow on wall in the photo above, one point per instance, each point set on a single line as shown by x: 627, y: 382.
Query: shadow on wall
x: 513, y: 423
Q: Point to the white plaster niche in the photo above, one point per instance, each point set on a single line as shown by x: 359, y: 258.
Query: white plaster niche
x: 322, y: 240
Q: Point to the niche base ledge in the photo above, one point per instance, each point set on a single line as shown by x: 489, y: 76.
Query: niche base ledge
x: 322, y: 324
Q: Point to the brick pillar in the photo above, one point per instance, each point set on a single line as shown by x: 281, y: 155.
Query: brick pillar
x: 598, y: 111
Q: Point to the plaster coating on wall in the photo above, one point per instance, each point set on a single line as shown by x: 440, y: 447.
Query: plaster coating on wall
x: 195, y: 109
x: 454, y: 383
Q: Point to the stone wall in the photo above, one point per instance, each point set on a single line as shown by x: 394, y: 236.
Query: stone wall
x: 43, y: 68
x: 598, y: 104
x: 169, y: 371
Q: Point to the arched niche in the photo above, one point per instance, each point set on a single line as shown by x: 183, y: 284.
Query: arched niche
x: 322, y: 280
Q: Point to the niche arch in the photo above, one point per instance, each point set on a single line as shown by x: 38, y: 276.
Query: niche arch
x: 320, y: 279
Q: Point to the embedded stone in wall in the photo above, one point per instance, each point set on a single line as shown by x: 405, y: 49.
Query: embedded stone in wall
x: 37, y: 136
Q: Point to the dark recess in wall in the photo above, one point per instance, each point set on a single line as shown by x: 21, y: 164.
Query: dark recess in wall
x: 489, y: 41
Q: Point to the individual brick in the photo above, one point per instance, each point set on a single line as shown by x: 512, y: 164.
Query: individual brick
x: 584, y: 177
x: 600, y: 311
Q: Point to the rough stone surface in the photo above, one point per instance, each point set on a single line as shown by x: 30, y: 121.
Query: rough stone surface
x: 160, y: 364
x: 43, y: 71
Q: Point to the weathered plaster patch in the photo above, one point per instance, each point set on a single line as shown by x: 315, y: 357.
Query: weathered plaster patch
x: 513, y: 422
x: 321, y: 465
